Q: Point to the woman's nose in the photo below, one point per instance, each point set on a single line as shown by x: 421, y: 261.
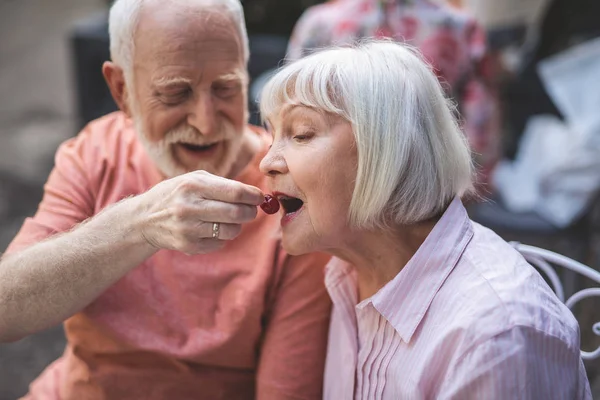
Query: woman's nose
x: 273, y: 163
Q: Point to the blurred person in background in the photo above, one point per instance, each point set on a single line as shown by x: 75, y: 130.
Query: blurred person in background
x: 147, y: 241
x: 450, y: 39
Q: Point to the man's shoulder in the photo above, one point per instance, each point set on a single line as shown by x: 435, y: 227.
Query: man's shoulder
x: 108, y: 140
x: 108, y: 132
x: 104, y: 151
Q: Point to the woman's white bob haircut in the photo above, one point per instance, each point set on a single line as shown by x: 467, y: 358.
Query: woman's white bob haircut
x: 412, y: 157
x: 124, y: 17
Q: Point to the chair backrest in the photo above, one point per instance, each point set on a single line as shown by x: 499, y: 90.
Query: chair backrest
x: 542, y: 259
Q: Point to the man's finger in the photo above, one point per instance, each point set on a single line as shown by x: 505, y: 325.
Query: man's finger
x: 226, y: 190
x: 219, y: 231
x: 218, y: 211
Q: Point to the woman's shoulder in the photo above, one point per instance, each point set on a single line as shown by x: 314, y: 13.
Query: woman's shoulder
x: 493, y: 290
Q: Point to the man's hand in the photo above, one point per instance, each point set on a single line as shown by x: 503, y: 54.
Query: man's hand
x: 179, y: 213
x: 51, y: 280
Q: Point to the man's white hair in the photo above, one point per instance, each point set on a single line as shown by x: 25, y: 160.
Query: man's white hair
x: 124, y: 18
x: 412, y: 156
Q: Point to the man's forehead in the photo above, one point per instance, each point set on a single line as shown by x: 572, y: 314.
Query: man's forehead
x: 207, y: 34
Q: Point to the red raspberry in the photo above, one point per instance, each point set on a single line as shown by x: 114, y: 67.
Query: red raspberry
x: 270, y: 205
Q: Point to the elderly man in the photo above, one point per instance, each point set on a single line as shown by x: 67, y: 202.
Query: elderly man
x: 148, y: 238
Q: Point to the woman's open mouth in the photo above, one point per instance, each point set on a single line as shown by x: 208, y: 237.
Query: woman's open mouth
x: 291, y: 207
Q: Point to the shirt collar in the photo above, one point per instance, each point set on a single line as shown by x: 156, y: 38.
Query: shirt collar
x: 404, y: 300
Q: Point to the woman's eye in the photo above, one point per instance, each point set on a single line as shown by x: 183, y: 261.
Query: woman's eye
x: 303, y: 137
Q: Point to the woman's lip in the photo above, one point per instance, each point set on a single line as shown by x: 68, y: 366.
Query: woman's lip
x: 286, y: 218
x: 281, y: 194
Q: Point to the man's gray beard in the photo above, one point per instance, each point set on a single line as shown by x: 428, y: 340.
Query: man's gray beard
x: 162, y: 154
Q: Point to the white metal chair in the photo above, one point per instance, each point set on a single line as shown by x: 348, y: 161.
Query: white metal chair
x: 542, y: 259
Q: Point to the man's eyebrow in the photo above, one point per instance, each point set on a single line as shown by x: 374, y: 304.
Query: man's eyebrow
x: 232, y: 76
x: 172, y: 81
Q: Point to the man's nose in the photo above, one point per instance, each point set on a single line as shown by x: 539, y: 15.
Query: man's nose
x: 274, y: 163
x: 203, y: 117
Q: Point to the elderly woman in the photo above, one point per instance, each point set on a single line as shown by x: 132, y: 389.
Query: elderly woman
x: 369, y: 166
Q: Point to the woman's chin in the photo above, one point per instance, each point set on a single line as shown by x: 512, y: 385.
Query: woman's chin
x: 295, y: 247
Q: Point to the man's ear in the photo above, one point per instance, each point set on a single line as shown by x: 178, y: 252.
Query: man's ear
x: 115, y: 79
